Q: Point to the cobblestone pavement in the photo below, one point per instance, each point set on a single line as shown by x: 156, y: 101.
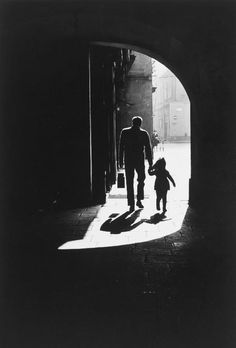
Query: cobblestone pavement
x: 162, y: 285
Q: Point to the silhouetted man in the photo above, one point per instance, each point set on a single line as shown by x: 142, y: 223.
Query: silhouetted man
x: 134, y: 144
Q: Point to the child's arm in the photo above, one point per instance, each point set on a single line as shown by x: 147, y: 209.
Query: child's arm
x: 171, y: 179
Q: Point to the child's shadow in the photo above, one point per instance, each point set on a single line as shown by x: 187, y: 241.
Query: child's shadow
x: 154, y: 219
x: 122, y: 223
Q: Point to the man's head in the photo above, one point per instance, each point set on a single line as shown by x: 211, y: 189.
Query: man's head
x: 137, y: 121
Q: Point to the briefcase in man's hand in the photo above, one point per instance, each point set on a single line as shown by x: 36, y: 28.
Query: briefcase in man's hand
x: 121, y: 180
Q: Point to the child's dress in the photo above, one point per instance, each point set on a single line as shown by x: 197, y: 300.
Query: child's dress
x: 161, y: 183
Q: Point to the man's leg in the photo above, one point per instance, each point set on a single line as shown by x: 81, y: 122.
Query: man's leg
x: 140, y: 189
x: 129, y: 173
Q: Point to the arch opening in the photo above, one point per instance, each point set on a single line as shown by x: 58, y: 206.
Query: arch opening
x: 153, y: 91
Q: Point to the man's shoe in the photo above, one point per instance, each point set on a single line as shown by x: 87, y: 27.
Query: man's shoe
x: 139, y: 204
x: 131, y: 208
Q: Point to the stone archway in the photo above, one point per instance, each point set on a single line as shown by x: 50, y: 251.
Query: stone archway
x: 188, y: 45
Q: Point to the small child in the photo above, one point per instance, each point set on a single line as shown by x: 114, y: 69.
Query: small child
x: 161, y: 183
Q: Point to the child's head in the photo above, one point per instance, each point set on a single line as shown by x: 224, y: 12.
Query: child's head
x: 160, y: 164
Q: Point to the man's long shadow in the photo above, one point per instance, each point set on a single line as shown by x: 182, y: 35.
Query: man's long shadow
x: 126, y: 221
x: 122, y: 223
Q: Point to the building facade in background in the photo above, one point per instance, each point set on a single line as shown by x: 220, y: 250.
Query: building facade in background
x: 135, y: 97
x: 171, y: 106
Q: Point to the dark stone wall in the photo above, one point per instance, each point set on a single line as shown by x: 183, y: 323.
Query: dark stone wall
x: 45, y: 123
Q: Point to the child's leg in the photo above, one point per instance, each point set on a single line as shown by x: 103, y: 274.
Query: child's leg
x: 164, y: 199
x: 158, y: 198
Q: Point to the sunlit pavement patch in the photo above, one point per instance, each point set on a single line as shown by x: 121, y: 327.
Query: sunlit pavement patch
x: 106, y: 230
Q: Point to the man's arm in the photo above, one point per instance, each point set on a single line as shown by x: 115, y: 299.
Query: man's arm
x: 148, y: 149
x: 121, y: 149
